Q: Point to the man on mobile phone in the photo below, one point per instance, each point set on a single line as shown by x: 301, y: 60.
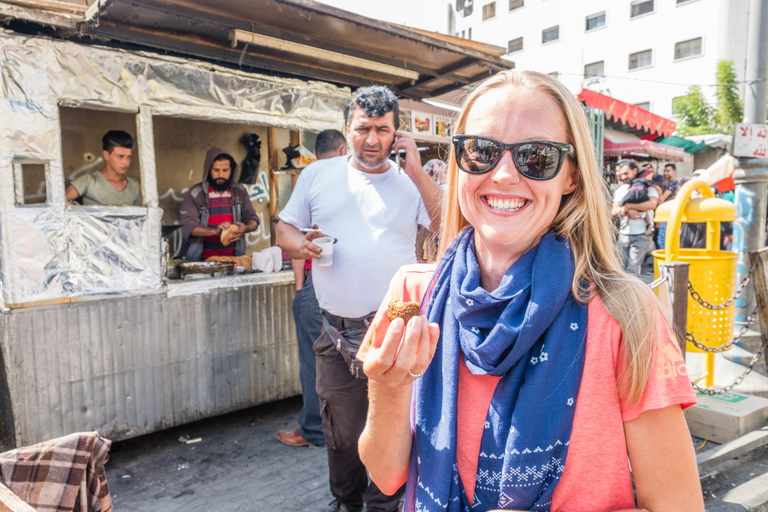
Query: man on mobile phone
x: 373, y: 210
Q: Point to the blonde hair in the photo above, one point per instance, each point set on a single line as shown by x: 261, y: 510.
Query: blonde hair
x: 584, y: 219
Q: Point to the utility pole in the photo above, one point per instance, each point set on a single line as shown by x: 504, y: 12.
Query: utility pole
x: 751, y: 175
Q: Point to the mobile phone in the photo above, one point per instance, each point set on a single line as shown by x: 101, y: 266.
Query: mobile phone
x: 397, y: 154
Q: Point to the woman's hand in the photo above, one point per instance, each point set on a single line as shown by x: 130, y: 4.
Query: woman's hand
x: 386, y: 442
x: 400, y: 358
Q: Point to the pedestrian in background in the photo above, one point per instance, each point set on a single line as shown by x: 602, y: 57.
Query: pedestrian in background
x: 306, y: 316
x: 669, y: 188
x: 427, y: 241
x: 635, y: 242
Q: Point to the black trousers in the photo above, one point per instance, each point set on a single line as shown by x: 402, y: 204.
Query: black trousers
x: 344, y: 406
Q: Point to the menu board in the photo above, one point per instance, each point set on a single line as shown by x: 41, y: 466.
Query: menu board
x: 405, y: 120
x: 443, y: 125
x: 422, y: 123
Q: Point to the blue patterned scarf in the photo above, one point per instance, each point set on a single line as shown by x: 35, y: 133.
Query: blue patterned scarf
x: 531, y: 332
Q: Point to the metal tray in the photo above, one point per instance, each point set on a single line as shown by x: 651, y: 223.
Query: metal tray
x: 214, y: 268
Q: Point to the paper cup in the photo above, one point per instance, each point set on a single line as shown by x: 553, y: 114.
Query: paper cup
x: 326, y: 244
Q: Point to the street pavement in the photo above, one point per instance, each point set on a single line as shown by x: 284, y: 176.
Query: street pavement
x: 238, y: 465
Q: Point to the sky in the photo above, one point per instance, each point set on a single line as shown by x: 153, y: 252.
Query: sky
x: 424, y: 14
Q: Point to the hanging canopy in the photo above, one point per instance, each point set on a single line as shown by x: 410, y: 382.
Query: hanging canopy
x: 687, y: 145
x: 621, y: 144
x: 627, y: 114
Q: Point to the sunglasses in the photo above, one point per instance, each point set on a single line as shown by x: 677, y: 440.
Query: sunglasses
x: 535, y: 159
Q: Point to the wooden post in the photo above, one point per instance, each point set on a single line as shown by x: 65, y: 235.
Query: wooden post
x: 675, y: 297
x: 295, y: 140
x: 273, y: 165
x: 758, y: 259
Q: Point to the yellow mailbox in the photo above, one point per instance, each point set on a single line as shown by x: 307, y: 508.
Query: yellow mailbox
x: 712, y: 272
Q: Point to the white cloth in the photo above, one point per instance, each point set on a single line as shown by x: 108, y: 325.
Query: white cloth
x: 373, y: 216
x: 634, y: 226
x: 268, y: 260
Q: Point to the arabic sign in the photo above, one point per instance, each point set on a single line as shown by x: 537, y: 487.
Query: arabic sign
x: 750, y: 140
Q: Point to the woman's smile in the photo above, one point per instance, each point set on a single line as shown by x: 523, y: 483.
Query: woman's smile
x: 502, y: 204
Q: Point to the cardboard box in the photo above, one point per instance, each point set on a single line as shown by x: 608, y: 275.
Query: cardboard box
x: 723, y: 418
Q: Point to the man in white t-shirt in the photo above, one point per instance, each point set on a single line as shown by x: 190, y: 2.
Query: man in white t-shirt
x: 373, y: 209
x: 634, y: 243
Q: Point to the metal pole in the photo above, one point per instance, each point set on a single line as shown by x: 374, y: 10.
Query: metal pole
x: 751, y: 176
x: 755, y: 94
x: 673, y: 295
x: 761, y: 291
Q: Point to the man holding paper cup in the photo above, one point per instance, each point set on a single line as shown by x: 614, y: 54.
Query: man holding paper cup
x: 217, y: 212
x: 371, y: 209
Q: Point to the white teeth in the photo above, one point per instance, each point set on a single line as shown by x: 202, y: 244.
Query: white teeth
x: 505, y: 204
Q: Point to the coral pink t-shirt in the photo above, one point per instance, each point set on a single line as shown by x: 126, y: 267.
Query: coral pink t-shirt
x: 596, y: 476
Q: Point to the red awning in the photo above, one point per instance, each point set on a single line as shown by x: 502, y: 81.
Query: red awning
x: 630, y: 115
x: 642, y: 147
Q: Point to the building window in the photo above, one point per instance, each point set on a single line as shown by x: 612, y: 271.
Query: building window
x: 550, y: 34
x: 515, y: 45
x: 463, y: 34
x: 516, y: 4
x: 595, y: 21
x: 489, y: 11
x: 678, y: 2
x: 555, y: 74
x: 30, y: 186
x: 594, y: 69
x: 690, y: 48
x: 640, y: 7
x: 642, y: 59
x: 645, y: 105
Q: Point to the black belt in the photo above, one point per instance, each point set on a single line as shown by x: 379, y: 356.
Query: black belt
x: 341, y: 323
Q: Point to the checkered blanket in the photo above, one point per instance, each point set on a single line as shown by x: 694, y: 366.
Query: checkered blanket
x: 63, y: 475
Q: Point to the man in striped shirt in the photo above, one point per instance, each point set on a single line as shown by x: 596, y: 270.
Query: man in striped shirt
x: 215, y: 205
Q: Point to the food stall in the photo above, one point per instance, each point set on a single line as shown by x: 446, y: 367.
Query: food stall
x: 91, y: 335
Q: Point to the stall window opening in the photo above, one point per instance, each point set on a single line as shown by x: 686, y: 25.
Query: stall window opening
x: 100, y: 157
x: 30, y: 185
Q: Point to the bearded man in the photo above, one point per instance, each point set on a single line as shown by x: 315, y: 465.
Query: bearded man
x: 216, y: 205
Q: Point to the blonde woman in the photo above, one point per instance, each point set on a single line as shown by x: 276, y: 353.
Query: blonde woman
x: 540, y: 368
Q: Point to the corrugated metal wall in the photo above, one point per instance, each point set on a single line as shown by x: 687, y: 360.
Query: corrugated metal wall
x: 133, y: 365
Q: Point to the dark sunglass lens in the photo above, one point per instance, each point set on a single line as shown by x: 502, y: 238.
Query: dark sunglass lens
x: 538, y: 161
x: 477, y: 155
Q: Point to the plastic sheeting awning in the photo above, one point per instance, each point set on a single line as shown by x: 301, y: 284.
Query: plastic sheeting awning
x: 620, y: 144
x: 627, y: 114
x: 301, y: 39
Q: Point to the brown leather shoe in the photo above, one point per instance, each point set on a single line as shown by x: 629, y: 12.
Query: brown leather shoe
x: 292, y: 438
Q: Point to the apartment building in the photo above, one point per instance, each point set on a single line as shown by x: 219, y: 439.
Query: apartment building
x: 644, y: 52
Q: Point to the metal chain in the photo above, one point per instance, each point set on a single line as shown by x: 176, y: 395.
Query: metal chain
x: 739, y: 379
x: 728, y: 302
x: 725, y: 346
